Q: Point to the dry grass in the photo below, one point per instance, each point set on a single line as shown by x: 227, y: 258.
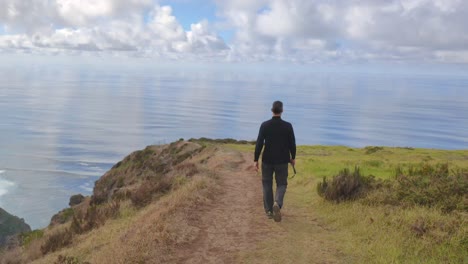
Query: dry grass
x: 142, y: 236
x: 57, y: 240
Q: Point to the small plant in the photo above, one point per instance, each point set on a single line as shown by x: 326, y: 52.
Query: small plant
x: 68, y: 260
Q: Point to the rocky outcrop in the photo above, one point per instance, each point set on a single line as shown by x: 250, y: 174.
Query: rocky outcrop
x: 76, y: 199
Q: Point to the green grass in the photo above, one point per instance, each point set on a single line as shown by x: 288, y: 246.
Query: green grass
x: 363, y: 233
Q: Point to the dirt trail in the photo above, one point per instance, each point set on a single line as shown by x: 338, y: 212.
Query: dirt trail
x: 235, y: 223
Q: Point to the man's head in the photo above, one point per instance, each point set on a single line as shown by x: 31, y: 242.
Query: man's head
x: 277, y: 107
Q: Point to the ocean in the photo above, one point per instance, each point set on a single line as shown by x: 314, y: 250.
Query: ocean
x: 63, y: 125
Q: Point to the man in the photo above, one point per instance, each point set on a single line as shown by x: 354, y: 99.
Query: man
x: 280, y: 149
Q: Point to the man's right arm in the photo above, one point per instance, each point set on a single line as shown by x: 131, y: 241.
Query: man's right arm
x: 259, y: 145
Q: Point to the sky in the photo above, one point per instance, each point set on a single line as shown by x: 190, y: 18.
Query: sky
x: 297, y: 31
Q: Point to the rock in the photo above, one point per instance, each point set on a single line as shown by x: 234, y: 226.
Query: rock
x: 76, y: 199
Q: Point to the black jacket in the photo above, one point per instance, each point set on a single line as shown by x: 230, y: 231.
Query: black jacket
x: 279, y: 140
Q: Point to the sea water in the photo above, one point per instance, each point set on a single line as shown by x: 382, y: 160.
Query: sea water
x: 62, y: 125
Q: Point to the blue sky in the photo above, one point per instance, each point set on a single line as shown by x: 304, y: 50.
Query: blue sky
x: 188, y: 12
x: 192, y: 11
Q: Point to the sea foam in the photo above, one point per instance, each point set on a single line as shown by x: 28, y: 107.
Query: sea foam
x: 5, y: 185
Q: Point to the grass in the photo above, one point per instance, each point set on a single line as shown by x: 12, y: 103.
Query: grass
x: 347, y: 232
x: 362, y: 232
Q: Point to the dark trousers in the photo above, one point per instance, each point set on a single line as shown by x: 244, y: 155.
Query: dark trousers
x: 281, y: 177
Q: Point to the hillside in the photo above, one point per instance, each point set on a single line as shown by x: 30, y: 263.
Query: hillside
x: 10, y: 225
x: 201, y: 202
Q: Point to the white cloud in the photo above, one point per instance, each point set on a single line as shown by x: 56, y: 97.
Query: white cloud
x: 294, y: 30
x: 322, y: 30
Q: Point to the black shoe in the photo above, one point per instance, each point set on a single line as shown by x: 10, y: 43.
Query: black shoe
x: 276, y: 213
x: 269, y: 214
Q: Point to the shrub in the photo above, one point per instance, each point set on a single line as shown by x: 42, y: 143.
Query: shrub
x: 344, y: 186
x: 370, y: 150
x: 432, y: 186
x: 57, y: 240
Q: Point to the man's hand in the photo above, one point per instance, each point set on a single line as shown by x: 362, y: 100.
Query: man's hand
x: 293, y: 162
x: 256, y: 166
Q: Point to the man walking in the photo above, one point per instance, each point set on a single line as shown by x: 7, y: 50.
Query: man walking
x: 280, y: 149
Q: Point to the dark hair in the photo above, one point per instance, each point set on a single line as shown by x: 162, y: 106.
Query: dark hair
x: 277, y: 107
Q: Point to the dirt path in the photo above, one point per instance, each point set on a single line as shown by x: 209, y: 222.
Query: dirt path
x: 235, y: 225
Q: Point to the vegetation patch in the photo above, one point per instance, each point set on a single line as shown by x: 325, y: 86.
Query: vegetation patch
x: 151, y: 164
x: 426, y: 185
x: 346, y: 185
x: 57, y: 240
x: 372, y: 149
x: 28, y: 237
x: 69, y: 260
x: 422, y: 185
x: 144, y: 194
x: 424, y: 203
x: 62, y: 217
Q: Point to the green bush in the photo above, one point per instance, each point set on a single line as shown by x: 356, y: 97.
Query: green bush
x: 346, y: 185
x: 370, y: 149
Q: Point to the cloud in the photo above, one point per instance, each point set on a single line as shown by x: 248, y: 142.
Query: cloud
x: 321, y: 30
x: 136, y: 26
x: 263, y: 30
